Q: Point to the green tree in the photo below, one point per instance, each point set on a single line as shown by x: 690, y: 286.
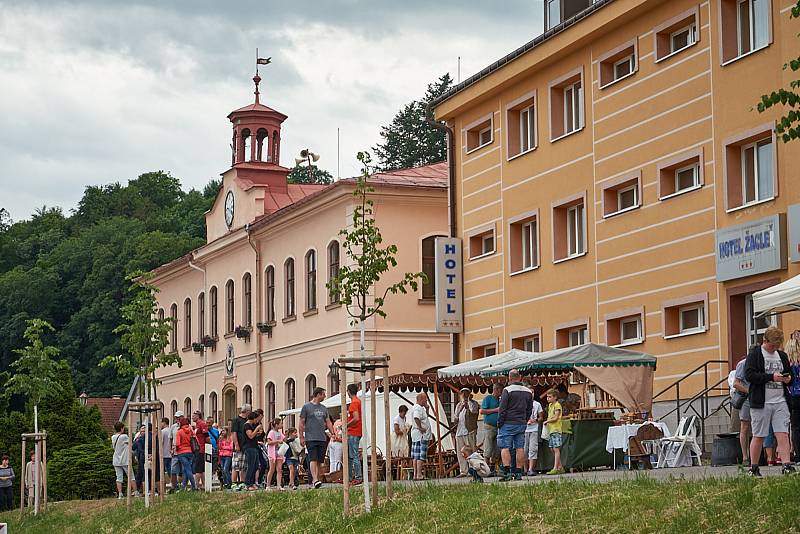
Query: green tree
x: 788, y: 127
x: 300, y: 175
x: 369, y: 260
x: 409, y: 141
x: 35, y: 376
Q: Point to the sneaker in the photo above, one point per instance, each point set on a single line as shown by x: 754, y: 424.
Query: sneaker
x: 121, y: 496
x: 555, y: 471
x: 518, y: 474
x: 507, y: 477
x: 294, y: 488
x: 281, y: 488
x: 788, y: 470
x: 461, y: 475
x: 356, y: 482
x: 754, y: 471
x: 318, y: 484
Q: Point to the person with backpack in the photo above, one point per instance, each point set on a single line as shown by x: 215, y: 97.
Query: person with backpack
x: 184, y: 451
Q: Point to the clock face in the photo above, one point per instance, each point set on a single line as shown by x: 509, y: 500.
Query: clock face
x: 229, y: 208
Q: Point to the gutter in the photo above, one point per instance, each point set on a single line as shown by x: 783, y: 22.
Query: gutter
x: 451, y: 197
x: 260, y: 396
x: 205, y: 357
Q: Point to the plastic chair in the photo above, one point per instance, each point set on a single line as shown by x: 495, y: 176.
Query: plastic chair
x: 671, y: 449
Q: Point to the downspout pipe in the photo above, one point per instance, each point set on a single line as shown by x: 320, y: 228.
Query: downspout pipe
x: 205, y: 357
x: 260, y: 395
x: 451, y: 196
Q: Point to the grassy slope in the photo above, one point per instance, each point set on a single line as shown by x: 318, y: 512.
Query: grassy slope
x: 641, y: 505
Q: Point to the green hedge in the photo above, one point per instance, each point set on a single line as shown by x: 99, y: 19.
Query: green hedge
x: 81, y: 472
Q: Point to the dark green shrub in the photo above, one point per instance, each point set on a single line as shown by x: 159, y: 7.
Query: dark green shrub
x: 81, y: 472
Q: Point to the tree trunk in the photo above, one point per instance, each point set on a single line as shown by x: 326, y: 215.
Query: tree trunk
x: 364, y: 425
x: 37, y: 458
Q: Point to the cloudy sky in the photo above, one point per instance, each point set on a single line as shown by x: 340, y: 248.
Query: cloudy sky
x: 100, y: 91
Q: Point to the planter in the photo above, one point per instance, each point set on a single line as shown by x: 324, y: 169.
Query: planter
x: 243, y: 332
x: 208, y: 341
x: 264, y: 328
x: 197, y: 347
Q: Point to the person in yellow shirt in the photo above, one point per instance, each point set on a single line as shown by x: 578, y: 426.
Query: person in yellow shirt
x: 555, y: 427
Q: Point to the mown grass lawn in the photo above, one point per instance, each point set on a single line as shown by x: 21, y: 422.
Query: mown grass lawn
x: 631, y: 506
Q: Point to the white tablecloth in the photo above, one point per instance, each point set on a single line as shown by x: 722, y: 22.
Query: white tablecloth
x: 618, y: 436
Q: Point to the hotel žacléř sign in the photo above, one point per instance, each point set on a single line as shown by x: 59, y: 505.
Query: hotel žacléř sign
x: 751, y: 248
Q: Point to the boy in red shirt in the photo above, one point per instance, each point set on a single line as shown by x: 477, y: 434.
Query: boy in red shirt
x: 354, y: 433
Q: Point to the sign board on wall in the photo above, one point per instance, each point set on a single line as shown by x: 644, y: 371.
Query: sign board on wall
x: 751, y: 248
x: 793, y: 215
x: 449, y: 289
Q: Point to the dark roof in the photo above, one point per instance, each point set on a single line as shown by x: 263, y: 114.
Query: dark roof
x: 508, y: 58
x: 110, y: 410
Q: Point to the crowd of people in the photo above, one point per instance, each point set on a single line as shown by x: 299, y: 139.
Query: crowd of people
x: 766, y: 384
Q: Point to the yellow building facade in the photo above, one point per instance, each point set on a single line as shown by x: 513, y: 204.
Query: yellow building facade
x: 614, y: 184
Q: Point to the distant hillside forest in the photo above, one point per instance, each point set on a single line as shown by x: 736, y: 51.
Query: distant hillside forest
x: 70, y: 269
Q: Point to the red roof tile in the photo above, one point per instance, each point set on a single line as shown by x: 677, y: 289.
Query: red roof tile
x: 110, y: 410
x: 274, y: 201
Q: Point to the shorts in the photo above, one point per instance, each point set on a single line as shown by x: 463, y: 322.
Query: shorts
x: 511, y: 436
x: 777, y: 414
x: 532, y: 445
x: 168, y: 465
x: 490, y: 442
x: 419, y: 450
x: 198, y: 463
x: 121, y: 471
x: 744, y: 412
x: 316, y: 450
x: 556, y: 440
x: 239, y: 462
x: 292, y: 461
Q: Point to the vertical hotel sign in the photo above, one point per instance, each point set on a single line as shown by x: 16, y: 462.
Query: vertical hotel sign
x: 449, y: 288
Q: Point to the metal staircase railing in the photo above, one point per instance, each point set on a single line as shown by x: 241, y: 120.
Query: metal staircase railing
x: 690, y: 406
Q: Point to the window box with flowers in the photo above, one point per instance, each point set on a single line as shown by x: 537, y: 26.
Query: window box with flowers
x: 209, y: 342
x: 243, y: 332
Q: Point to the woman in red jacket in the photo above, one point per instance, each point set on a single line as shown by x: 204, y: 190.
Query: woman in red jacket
x: 183, y: 450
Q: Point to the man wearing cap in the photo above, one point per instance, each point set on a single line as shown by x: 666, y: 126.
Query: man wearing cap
x: 239, y: 437
x: 466, y: 413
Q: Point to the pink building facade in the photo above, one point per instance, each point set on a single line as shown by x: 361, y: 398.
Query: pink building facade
x: 256, y: 291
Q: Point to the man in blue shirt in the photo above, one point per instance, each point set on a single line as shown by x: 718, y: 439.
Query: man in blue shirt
x: 489, y: 408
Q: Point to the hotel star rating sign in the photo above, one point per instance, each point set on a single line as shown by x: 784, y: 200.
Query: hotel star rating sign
x: 449, y: 297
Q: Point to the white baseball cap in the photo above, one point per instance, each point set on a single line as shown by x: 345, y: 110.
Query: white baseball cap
x: 179, y: 414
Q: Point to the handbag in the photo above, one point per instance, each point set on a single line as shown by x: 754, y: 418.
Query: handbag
x: 545, y: 432
x: 737, y: 399
x: 283, y: 449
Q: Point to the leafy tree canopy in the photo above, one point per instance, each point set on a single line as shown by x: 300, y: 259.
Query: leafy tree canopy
x: 300, y: 175
x: 408, y: 141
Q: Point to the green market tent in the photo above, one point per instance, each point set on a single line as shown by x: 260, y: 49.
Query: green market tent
x: 624, y: 374
x: 474, y: 367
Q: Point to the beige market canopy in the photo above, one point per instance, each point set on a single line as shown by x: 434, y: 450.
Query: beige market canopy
x: 624, y: 374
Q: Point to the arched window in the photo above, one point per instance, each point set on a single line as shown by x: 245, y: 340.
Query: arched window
x: 229, y: 321
x: 247, y: 395
x: 201, y: 404
x: 201, y: 316
x: 187, y: 407
x: 333, y: 382
x: 290, y: 399
x: 245, y: 144
x: 270, y: 285
x: 173, y: 334
x: 187, y: 322
x: 161, y: 316
x: 288, y: 270
x: 311, y: 383
x: 311, y: 280
x: 174, y: 407
x: 276, y: 147
x: 212, y: 401
x: 270, y: 395
x: 262, y: 145
x: 214, y: 324
x: 247, y: 300
x: 429, y: 267
x: 333, y: 270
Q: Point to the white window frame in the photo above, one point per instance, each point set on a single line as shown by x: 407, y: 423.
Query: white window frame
x: 481, y: 132
x: 631, y: 341
x: 532, y: 341
x: 696, y: 168
x: 578, y: 212
x: 620, y: 191
x: 529, y: 242
x: 484, y: 239
x: 692, y: 29
x: 631, y: 65
x: 548, y: 13
x: 701, y: 318
x: 752, y: 21
x: 752, y: 328
x: 570, y: 92
x: 756, y: 178
x: 527, y: 124
x: 582, y: 333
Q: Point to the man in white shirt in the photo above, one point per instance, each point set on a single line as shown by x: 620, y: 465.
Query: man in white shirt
x: 532, y: 436
x: 420, y: 435
x: 466, y: 413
